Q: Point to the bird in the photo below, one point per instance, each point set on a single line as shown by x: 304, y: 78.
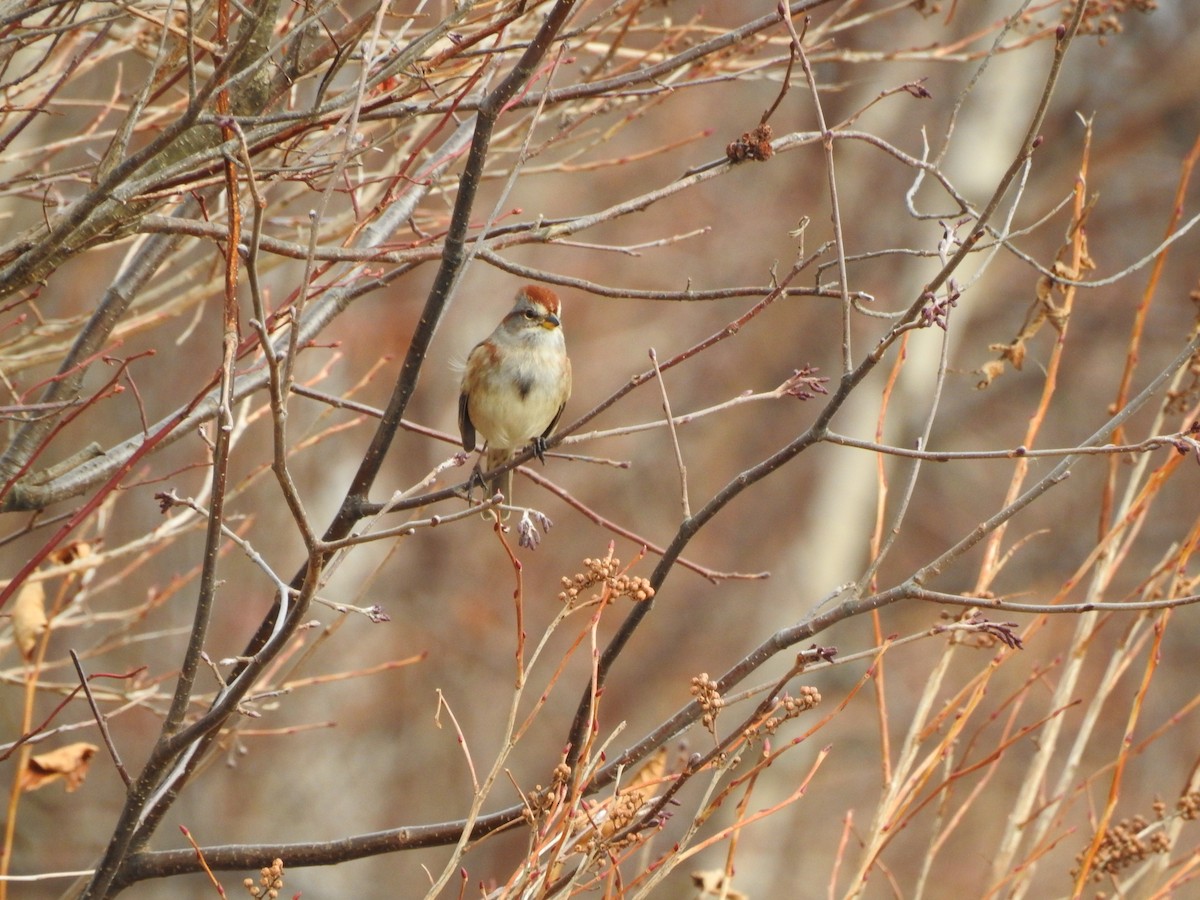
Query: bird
x: 515, y: 384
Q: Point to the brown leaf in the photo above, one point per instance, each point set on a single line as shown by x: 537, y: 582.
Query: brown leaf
x: 651, y: 773
x: 1043, y: 309
x: 69, y: 762
x: 29, y: 617
x: 991, y: 370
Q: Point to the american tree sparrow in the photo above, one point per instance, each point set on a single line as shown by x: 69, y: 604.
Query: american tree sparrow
x: 516, y: 383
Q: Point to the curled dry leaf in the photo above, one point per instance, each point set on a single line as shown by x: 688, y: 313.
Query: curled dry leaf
x: 69, y: 763
x: 651, y: 774
x: 991, y: 370
x: 1043, y: 309
x: 29, y: 617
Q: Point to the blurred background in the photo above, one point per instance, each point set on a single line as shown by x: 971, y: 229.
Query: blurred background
x: 336, y: 756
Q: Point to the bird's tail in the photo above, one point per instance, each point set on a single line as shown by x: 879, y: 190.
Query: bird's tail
x: 503, y: 482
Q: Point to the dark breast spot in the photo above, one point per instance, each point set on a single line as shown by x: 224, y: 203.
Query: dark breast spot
x: 524, y: 386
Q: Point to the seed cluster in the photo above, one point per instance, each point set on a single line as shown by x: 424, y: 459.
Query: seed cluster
x: 1126, y: 843
x: 755, y: 145
x: 1132, y: 840
x: 1188, y: 806
x: 1103, y: 17
x: 539, y: 803
x: 788, y: 708
x: 542, y: 801
x: 704, y: 689
x: 606, y: 572
x: 270, y: 881
x: 610, y: 818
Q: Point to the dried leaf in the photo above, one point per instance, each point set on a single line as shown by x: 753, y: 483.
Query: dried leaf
x: 69, y: 762
x: 1043, y: 309
x: 29, y: 617
x: 990, y: 372
x: 1014, y: 352
x: 651, y: 773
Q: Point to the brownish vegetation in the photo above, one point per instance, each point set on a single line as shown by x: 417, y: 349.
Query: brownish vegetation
x: 894, y: 303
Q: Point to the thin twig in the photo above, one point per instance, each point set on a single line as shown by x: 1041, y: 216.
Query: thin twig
x: 101, y: 721
x: 670, y: 419
x: 835, y: 207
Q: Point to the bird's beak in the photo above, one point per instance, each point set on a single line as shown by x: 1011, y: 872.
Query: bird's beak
x: 550, y: 320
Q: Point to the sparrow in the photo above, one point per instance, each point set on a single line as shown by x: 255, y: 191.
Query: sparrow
x: 516, y: 383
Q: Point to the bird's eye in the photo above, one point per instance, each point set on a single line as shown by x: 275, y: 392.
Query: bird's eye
x: 530, y: 314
